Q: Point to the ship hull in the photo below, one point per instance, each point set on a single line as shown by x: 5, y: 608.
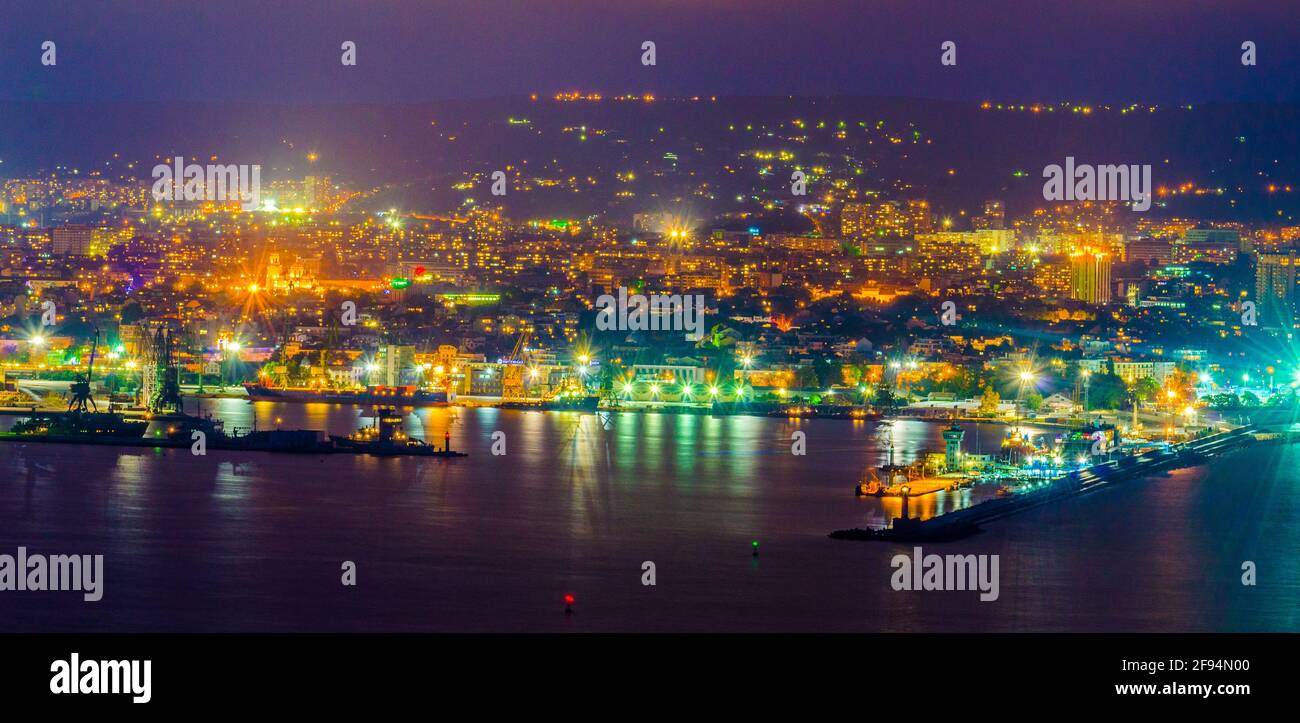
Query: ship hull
x: 417, y: 398
x: 568, y: 404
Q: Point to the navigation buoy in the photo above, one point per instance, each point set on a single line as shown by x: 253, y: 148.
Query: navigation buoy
x: 568, y: 604
x: 755, y: 544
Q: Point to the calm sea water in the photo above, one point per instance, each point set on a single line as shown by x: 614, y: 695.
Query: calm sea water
x: 255, y: 541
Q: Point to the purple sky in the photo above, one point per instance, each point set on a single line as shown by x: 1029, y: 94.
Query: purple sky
x: 280, y: 51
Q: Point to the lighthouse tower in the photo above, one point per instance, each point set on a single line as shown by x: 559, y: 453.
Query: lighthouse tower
x: 952, y: 437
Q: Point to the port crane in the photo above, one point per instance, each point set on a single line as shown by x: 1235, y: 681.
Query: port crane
x: 512, y: 372
x: 168, y: 388
x: 81, y: 400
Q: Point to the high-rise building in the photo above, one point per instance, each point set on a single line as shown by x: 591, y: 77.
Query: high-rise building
x: 1090, y: 277
x: 72, y: 240
x: 1275, y: 286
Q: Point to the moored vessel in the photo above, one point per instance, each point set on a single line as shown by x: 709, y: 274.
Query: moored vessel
x: 401, y: 396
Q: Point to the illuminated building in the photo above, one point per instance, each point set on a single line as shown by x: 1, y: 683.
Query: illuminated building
x: 1090, y: 277
x: 1151, y: 251
x: 1275, y: 286
x: 395, y: 365
x: 1215, y: 246
x: 884, y: 218
x: 808, y: 244
x: 1131, y: 371
x: 72, y: 240
x: 993, y: 218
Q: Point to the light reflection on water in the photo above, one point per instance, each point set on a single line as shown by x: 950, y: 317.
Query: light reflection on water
x: 253, y: 541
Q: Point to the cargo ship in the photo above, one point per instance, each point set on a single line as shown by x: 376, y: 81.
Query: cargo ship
x: 563, y: 403
x: 77, y: 424
x: 400, y: 396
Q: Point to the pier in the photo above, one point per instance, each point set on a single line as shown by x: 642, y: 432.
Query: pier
x: 965, y: 522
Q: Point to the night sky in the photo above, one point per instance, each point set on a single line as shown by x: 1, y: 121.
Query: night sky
x: 1013, y: 50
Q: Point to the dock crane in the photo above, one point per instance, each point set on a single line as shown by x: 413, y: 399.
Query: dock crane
x: 81, y: 400
x: 512, y: 373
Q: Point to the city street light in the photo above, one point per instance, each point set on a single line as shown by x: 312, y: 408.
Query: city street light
x: 231, y: 355
x: 1086, y: 375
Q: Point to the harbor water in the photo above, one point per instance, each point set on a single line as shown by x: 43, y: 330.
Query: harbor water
x: 577, y: 504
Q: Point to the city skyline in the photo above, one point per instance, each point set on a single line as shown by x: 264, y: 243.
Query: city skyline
x: 724, y: 316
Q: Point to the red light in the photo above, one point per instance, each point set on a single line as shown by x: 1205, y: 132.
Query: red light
x: 568, y: 599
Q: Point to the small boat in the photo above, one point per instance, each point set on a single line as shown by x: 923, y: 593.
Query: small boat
x: 871, y: 488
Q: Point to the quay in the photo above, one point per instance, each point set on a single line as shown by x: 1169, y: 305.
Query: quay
x: 965, y: 522
x: 288, y: 442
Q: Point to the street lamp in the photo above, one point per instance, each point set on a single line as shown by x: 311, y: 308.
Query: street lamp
x: 232, y: 349
x: 1086, y: 374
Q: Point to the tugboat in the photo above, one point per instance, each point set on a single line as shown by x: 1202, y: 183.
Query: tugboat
x: 385, y: 438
